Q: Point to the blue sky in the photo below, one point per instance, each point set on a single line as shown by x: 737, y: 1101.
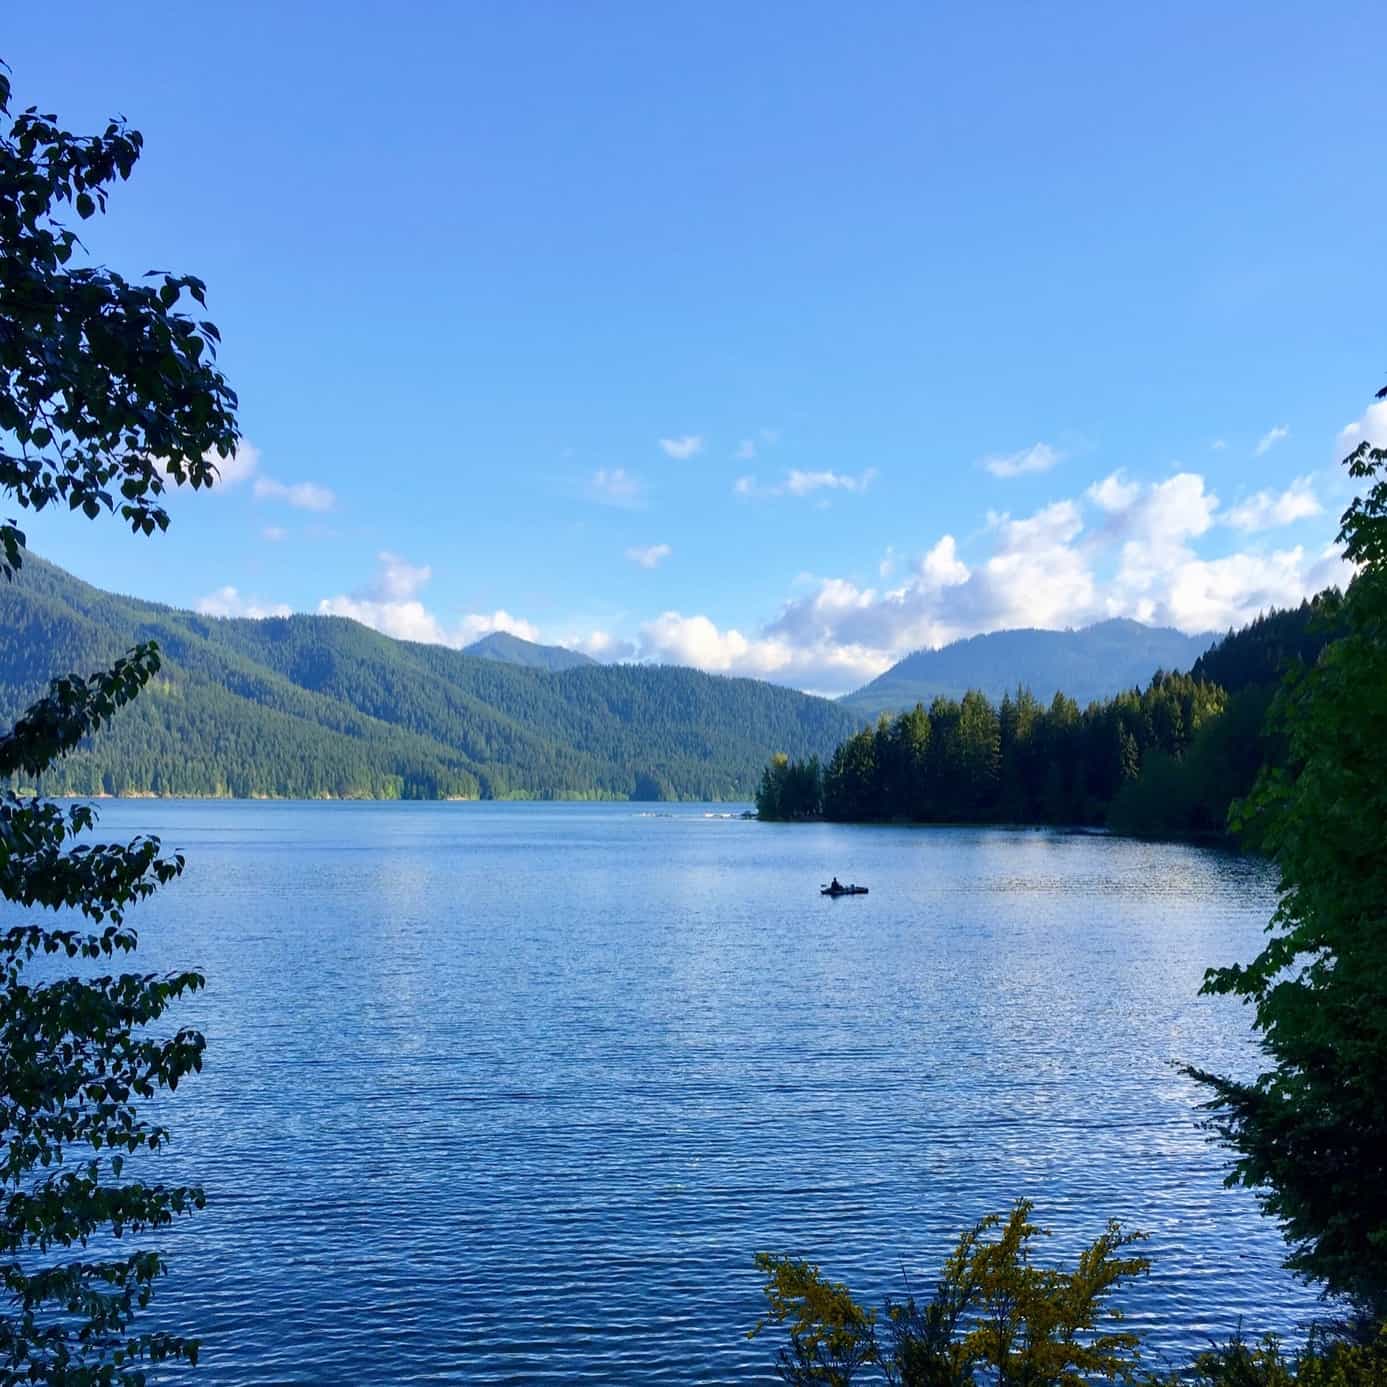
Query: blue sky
x: 778, y: 339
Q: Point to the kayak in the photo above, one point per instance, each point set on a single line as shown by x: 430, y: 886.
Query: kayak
x: 843, y: 891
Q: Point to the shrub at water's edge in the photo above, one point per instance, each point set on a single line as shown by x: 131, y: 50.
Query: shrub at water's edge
x: 994, y: 1316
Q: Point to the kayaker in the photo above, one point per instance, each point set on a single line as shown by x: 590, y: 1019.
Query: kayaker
x: 835, y: 885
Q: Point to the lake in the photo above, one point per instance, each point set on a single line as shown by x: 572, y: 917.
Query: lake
x: 511, y: 1093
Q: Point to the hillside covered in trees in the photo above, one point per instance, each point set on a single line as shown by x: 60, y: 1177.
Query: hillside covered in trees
x: 316, y: 706
x: 1163, y: 760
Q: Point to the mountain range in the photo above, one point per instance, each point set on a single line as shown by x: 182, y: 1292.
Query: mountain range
x: 310, y: 706
x: 318, y: 706
x: 1091, y: 663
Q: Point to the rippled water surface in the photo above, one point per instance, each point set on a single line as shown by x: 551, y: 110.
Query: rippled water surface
x: 512, y: 1093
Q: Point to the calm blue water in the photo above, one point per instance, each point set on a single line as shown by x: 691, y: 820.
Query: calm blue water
x: 512, y: 1093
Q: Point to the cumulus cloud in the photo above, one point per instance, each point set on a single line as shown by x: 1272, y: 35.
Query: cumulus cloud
x: 650, y: 555
x: 398, y: 579
x: 303, y: 495
x: 673, y: 638
x: 1371, y: 428
x: 274, y: 534
x: 238, y: 467
x: 1215, y: 594
x: 1270, y: 439
x: 390, y: 604
x: 229, y: 602
x: 230, y: 471
x: 1266, y: 510
x: 746, y: 450
x: 601, y: 645
x: 1039, y: 457
x: 800, y: 483
x: 683, y: 447
x: 1122, y: 548
x: 1113, y: 493
x: 615, y: 486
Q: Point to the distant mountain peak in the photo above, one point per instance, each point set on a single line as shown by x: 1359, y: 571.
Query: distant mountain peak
x: 514, y: 650
x: 1089, y: 663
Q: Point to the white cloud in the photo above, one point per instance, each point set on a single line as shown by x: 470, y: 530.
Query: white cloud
x: 1123, y: 548
x: 1266, y: 510
x: 274, y: 533
x: 303, y: 495
x: 1372, y: 428
x: 1215, y: 594
x: 941, y: 567
x: 1113, y: 494
x: 601, y: 645
x: 390, y: 604
x: 672, y: 638
x: 650, y: 555
x: 1218, y: 445
x: 683, y: 447
x: 615, y: 487
x: 801, y: 483
x: 398, y: 579
x: 1039, y: 457
x: 1270, y: 439
x: 235, y: 469
x: 746, y: 450
x: 228, y: 602
x: 230, y: 471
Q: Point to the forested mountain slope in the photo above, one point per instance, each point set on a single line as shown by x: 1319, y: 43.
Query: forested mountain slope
x: 1093, y: 663
x: 316, y: 706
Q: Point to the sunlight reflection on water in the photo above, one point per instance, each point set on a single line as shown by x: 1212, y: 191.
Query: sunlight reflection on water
x: 511, y: 1093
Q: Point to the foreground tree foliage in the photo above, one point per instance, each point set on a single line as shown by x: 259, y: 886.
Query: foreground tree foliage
x: 107, y: 394
x: 998, y: 1319
x: 1310, y: 1134
x: 1323, y: 1362
x: 994, y: 1316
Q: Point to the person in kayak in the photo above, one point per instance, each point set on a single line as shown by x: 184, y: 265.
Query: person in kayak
x: 835, y: 885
